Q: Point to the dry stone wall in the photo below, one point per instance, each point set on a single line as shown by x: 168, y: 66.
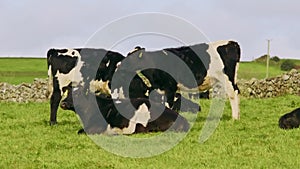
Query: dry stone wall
x: 288, y: 83
x: 24, y: 92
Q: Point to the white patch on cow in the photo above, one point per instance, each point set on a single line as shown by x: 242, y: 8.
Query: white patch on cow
x: 118, y: 93
x: 165, y: 52
x: 50, y: 83
x: 115, y: 94
x: 118, y: 102
x: 147, y: 93
x: 236, y: 70
x: 75, y: 88
x: 107, y: 64
x: 121, y: 93
x: 167, y: 105
x: 234, y: 100
x: 141, y: 116
x: 216, y: 65
x: 117, y: 65
x: 161, y: 92
x: 235, y: 106
x: 100, y: 86
x: 175, y: 99
x: 71, y: 52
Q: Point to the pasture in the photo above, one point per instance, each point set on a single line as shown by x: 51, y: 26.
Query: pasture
x: 255, y: 141
x: 27, y: 141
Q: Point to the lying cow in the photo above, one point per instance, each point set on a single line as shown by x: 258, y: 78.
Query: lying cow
x: 209, y: 64
x: 144, y: 117
x: 290, y: 120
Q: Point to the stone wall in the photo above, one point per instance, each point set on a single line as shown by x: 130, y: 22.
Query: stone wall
x: 288, y: 83
x: 24, y: 92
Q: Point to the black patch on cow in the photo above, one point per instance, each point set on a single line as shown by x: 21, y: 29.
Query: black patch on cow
x: 230, y: 55
x: 166, y: 68
x: 196, y: 58
x: 106, y: 72
x: 58, y: 61
x: 95, y: 61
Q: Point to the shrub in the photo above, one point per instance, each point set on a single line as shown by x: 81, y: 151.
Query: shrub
x: 275, y: 59
x: 287, y: 65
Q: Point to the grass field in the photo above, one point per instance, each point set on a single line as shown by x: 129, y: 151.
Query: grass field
x: 248, y: 70
x: 18, y: 70
x: 255, y: 141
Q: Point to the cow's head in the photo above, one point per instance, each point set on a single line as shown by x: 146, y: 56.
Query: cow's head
x: 67, y: 103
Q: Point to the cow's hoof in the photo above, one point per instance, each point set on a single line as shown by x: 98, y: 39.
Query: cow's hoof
x: 52, y: 123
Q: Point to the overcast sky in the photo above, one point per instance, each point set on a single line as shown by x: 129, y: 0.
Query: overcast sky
x: 30, y: 27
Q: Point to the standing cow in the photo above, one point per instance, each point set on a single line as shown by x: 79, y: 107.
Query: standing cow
x: 167, y: 69
x: 87, y: 67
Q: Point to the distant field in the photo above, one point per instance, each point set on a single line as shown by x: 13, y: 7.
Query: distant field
x: 248, y: 70
x: 18, y: 70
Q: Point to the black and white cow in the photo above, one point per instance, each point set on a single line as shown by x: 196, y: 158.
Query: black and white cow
x: 76, y: 66
x: 208, y: 64
x: 144, y: 116
x: 290, y: 120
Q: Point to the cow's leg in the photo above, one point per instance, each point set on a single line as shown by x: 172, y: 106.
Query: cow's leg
x: 54, y: 103
x: 232, y: 93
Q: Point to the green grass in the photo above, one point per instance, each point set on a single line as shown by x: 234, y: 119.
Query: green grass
x: 248, y: 70
x: 255, y: 141
x: 18, y: 70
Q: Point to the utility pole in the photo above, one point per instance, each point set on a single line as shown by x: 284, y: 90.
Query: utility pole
x: 268, y: 58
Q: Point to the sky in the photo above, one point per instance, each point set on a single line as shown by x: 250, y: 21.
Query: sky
x: 29, y: 28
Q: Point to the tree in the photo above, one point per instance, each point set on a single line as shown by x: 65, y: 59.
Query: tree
x: 287, y: 65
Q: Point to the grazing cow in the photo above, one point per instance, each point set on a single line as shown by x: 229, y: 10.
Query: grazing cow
x: 145, y: 116
x: 92, y: 68
x: 290, y: 120
x: 209, y: 65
